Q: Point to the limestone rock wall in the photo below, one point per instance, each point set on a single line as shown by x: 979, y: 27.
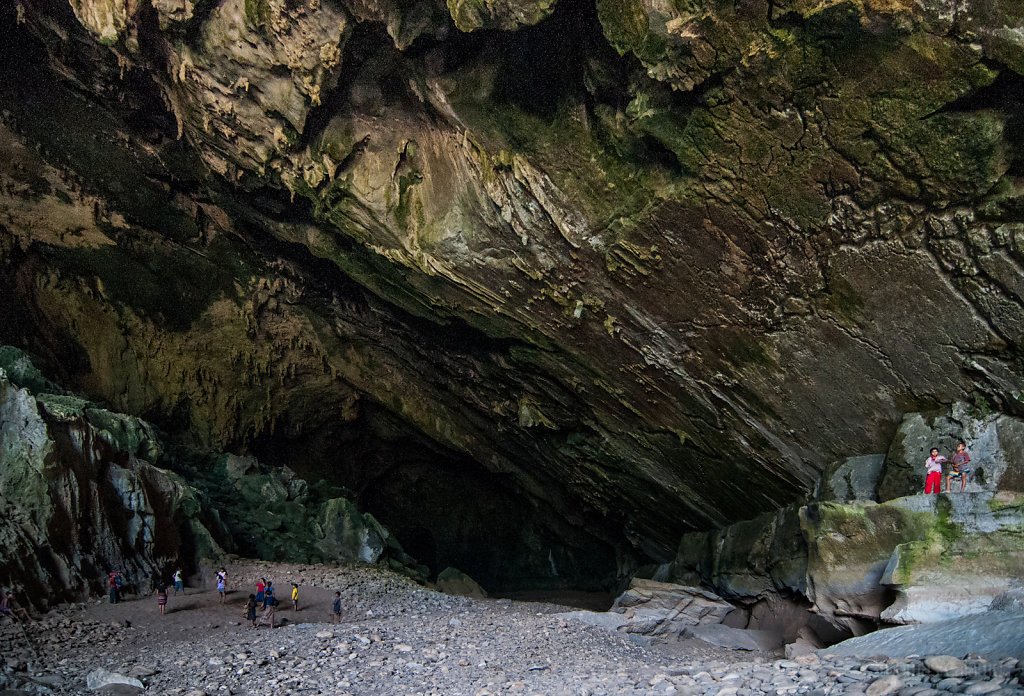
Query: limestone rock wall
x: 828, y: 570
x: 78, y: 498
x: 649, y: 268
x: 81, y: 494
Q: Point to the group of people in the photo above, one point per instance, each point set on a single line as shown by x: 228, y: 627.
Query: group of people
x: 265, y: 597
x: 958, y: 469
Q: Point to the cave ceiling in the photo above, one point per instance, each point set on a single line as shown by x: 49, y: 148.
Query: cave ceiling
x: 645, y: 267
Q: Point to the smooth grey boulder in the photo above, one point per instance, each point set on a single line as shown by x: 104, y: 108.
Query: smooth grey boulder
x: 100, y: 678
x: 735, y: 638
x: 994, y: 441
x: 853, y: 479
x: 996, y: 633
x: 656, y: 608
x: 601, y: 619
x: 652, y: 607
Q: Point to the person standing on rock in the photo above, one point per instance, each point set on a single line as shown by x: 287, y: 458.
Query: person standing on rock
x: 179, y: 583
x: 933, y: 481
x: 295, y: 596
x: 336, y: 609
x: 959, y: 468
x: 161, y: 597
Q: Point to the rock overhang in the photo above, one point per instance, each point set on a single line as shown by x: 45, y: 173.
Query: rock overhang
x: 647, y: 311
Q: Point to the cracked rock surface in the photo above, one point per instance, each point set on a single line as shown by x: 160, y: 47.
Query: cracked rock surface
x: 605, y: 272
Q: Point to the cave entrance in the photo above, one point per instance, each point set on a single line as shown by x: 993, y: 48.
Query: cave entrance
x: 447, y: 510
x: 419, y: 543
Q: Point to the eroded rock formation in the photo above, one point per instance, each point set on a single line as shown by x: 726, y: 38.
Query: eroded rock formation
x: 587, y: 276
x: 84, y: 491
x: 827, y: 570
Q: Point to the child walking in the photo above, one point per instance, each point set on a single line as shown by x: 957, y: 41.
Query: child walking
x: 295, y: 596
x: 161, y: 597
x: 336, y: 609
x: 221, y: 588
x: 250, y: 611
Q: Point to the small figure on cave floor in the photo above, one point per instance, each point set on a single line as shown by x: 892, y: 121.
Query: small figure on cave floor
x: 261, y: 588
x: 250, y: 611
x: 959, y: 467
x: 268, y: 594
x: 295, y: 596
x: 112, y: 586
x: 179, y: 583
x: 336, y: 609
x: 161, y: 597
x: 221, y: 588
x: 933, y: 481
x: 222, y: 575
x: 9, y: 606
x: 269, y: 612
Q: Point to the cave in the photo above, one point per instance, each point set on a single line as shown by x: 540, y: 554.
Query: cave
x: 539, y: 289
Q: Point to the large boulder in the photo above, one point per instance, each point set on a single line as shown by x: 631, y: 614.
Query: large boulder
x: 970, y: 556
x: 995, y: 442
x: 661, y: 608
x: 454, y: 582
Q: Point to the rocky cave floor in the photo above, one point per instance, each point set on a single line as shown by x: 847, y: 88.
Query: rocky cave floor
x: 399, y: 638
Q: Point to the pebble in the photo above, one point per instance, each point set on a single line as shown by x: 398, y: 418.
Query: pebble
x: 942, y: 664
x: 414, y: 645
x: 884, y: 686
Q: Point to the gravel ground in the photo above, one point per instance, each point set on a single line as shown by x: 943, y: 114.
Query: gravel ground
x: 399, y: 638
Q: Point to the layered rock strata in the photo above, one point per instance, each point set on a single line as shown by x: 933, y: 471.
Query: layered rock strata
x: 79, y: 499
x: 82, y: 493
x: 584, y: 258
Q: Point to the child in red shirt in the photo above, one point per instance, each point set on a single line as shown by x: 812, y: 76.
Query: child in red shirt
x: 933, y: 481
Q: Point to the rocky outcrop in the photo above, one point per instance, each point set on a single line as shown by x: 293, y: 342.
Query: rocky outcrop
x: 632, y: 271
x: 975, y: 557
x: 82, y: 493
x: 995, y: 442
x: 275, y: 515
x: 828, y: 570
x: 79, y: 497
